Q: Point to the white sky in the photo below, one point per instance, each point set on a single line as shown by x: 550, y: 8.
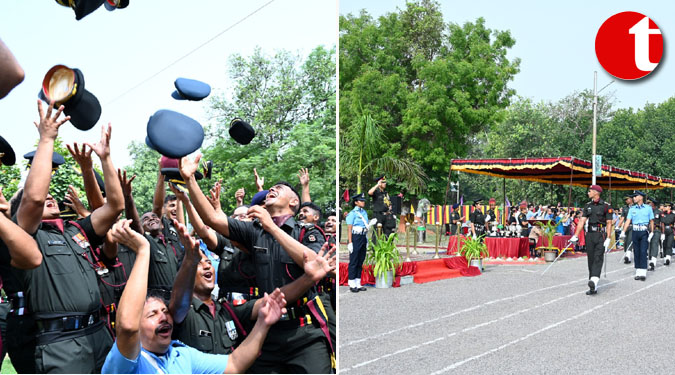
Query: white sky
x: 556, y: 43
x: 118, y: 50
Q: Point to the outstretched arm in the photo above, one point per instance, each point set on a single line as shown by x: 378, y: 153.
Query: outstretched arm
x: 213, y: 218
x: 130, y: 210
x: 91, y: 188
x: 130, y: 309
x: 185, y: 279
x: 208, y: 236
x: 36, y: 188
x: 273, y: 306
x: 160, y: 191
x: 11, y: 73
x: 22, y: 247
x: 105, y: 216
x: 303, y: 175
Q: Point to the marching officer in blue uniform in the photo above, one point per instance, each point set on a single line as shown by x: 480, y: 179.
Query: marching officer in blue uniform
x: 357, y: 229
x: 641, y: 219
x: 599, y: 215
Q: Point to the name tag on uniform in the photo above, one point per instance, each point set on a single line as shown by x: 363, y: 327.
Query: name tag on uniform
x: 259, y: 249
x: 231, y: 330
x: 56, y: 243
x: 203, y: 333
x: 81, y: 240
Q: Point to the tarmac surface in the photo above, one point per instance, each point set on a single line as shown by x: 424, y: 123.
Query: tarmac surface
x: 514, y: 320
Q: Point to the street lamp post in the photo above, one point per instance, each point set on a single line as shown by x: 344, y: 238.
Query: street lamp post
x: 595, y: 114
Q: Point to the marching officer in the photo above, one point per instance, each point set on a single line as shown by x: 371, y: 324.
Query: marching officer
x: 599, y: 215
x: 667, y: 221
x: 477, y: 219
x: 628, y: 253
x: 357, y: 229
x: 641, y: 217
x: 657, y: 238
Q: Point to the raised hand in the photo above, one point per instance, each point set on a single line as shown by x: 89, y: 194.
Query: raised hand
x: 303, y: 175
x: 122, y: 233
x: 263, y: 216
x: 102, y: 148
x: 214, y: 197
x: 178, y: 193
x: 189, y: 243
x: 259, y: 181
x: 239, y: 196
x: 82, y: 158
x: 322, y: 264
x: 188, y: 167
x: 126, y: 183
x: 273, y: 306
x: 48, y: 127
x: 75, y: 203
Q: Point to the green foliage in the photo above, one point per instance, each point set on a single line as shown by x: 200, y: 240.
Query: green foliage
x: 383, y: 255
x: 68, y: 174
x: 474, y: 249
x: 9, y: 180
x: 430, y: 85
x: 146, y: 168
x: 549, y: 228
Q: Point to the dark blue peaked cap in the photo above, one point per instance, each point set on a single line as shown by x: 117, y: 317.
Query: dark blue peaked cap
x: 57, y: 159
x: 259, y: 197
x: 190, y: 89
x: 173, y: 134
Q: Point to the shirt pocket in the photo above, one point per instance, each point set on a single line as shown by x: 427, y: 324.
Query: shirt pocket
x: 59, y: 258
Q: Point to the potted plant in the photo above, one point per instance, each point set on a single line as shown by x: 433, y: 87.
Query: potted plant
x: 385, y: 259
x: 549, y: 228
x: 474, y: 250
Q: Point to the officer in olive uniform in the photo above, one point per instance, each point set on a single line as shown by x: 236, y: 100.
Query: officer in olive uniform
x: 477, y: 219
x: 456, y: 220
x: 599, y: 215
x: 293, y: 344
x: 62, y: 293
x: 627, y: 248
x: 382, y: 206
x: 641, y: 218
x: 667, y: 222
x: 491, y: 215
x: 163, y: 256
x: 656, y: 241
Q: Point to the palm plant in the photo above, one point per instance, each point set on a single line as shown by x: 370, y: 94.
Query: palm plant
x: 383, y: 255
x: 549, y: 229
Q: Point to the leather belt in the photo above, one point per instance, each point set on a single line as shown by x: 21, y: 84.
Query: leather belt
x: 68, y: 323
x: 640, y: 227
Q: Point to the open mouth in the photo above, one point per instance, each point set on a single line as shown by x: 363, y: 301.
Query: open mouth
x: 208, y: 275
x: 164, y: 329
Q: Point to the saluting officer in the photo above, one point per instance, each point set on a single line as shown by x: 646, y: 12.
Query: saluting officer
x: 628, y: 252
x: 641, y: 217
x: 667, y: 221
x: 599, y: 215
x: 657, y: 237
x: 477, y: 219
x: 357, y: 228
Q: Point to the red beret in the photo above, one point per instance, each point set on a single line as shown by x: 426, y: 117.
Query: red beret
x: 492, y: 200
x: 596, y: 188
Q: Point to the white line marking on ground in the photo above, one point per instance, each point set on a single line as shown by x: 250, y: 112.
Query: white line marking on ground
x: 550, y: 326
x: 468, y: 309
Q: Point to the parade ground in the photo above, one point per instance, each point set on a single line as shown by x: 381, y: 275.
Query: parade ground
x: 511, y: 319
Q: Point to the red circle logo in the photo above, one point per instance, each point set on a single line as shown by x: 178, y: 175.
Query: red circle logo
x: 629, y: 45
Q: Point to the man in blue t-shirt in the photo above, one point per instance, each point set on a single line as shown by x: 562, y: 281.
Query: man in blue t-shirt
x: 145, y: 324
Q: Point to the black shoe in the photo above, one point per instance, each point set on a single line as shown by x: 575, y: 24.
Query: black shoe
x: 637, y: 277
x: 356, y: 290
x: 362, y: 288
x: 626, y: 260
x: 667, y: 262
x: 643, y: 278
x: 591, y: 286
x: 591, y: 292
x: 651, y: 266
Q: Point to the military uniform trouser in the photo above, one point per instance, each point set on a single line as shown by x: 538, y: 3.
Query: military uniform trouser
x: 357, y: 256
x: 655, y: 244
x: 20, y: 343
x: 81, y: 352
x: 382, y: 219
x: 668, y: 243
x: 640, y: 245
x: 595, y: 251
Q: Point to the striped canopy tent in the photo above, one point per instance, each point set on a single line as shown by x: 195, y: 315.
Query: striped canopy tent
x: 566, y: 170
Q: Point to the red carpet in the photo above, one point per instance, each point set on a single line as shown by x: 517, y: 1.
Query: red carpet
x: 423, y: 271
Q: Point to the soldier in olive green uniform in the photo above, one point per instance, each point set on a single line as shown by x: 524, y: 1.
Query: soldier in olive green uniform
x: 62, y: 293
x: 656, y: 241
x: 163, y: 256
x: 599, y: 215
x: 300, y: 343
x: 477, y: 219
